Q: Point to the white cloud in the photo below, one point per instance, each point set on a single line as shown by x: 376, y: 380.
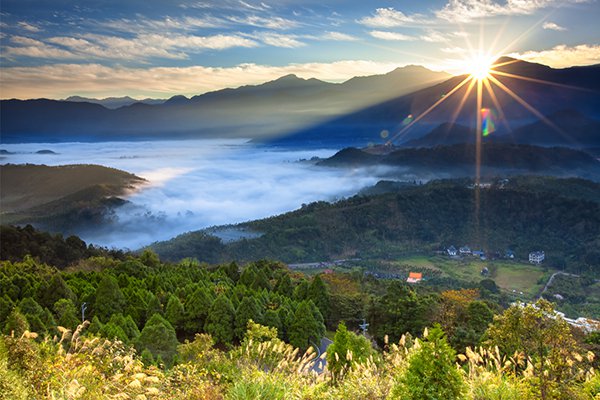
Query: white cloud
x: 279, y: 40
x: 436, y: 37
x: 339, y: 36
x: 160, y: 25
x: 265, y: 22
x: 563, y: 56
x: 554, y: 27
x: 389, y: 18
x: 28, y: 47
x: 385, y: 35
x: 28, y: 27
x: 467, y: 10
x: 63, y: 80
x: 114, y: 47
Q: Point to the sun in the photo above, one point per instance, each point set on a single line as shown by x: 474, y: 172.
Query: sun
x: 479, y: 66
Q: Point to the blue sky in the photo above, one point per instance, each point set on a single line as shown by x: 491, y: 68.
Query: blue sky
x: 159, y: 48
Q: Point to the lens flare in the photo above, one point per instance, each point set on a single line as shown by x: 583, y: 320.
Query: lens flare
x: 487, y: 121
x: 407, y: 120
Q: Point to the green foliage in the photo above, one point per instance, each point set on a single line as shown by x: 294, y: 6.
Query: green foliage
x: 174, y: 312
x: 109, y: 298
x: 248, y: 309
x: 16, y: 323
x: 534, y: 333
x: 158, y: 336
x: 399, y: 311
x: 431, y: 373
x: 197, y: 307
x: 66, y: 314
x: 318, y: 293
x: 346, y: 351
x: 307, y: 328
x: 220, y: 321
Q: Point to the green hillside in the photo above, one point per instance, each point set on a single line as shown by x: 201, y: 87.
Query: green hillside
x: 559, y: 216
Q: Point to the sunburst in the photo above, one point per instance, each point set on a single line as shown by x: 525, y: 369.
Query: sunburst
x: 481, y: 74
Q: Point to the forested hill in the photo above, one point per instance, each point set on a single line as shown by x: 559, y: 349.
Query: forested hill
x: 460, y: 160
x: 560, y: 216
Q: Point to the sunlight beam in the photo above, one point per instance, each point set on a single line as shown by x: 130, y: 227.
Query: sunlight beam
x: 492, y: 94
x: 525, y: 78
x: 529, y: 108
x: 423, y: 114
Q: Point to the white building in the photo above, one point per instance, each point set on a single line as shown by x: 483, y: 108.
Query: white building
x: 536, y: 257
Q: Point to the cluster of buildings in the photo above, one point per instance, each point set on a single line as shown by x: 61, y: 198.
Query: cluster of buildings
x: 535, y: 257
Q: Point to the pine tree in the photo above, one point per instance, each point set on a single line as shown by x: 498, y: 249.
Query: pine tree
x: 109, y: 298
x: 197, y: 307
x: 431, y: 373
x: 158, y: 336
x: 305, y: 330
x: 174, y: 312
x: 318, y: 293
x: 247, y: 310
x: 220, y: 320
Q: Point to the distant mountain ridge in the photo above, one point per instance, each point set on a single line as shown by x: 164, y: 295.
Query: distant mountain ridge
x: 568, y: 128
x: 293, y: 111
x: 113, y: 102
x: 460, y: 159
x: 274, y: 107
x: 544, y: 89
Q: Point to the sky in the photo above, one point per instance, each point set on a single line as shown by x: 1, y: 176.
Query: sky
x: 161, y: 48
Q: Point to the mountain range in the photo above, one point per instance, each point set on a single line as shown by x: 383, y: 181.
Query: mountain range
x: 275, y: 107
x: 113, y: 102
x: 308, y: 112
x: 543, y: 89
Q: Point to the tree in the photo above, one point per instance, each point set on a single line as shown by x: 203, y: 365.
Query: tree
x: 399, y: 311
x: 66, y: 314
x: 306, y: 330
x: 16, y: 323
x: 247, y: 310
x: 261, y: 281
x: 318, y: 293
x: 431, y: 373
x: 539, y: 335
x: 271, y: 318
x: 174, y: 312
x: 347, y: 350
x: 196, y: 308
x: 284, y: 285
x: 109, y: 298
x: 220, y: 320
x: 158, y: 336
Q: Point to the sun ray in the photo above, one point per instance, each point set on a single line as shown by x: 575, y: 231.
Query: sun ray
x: 525, y: 78
x: 424, y: 113
x: 462, y: 102
x: 529, y: 107
x: 492, y: 94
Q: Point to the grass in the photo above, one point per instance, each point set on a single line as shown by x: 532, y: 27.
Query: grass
x: 508, y: 275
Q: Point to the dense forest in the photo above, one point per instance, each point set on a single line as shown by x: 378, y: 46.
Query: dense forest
x: 195, y: 330
x: 561, y: 216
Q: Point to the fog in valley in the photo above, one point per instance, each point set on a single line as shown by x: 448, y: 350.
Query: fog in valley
x: 198, y: 184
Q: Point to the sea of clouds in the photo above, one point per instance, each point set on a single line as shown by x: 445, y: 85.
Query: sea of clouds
x: 198, y: 184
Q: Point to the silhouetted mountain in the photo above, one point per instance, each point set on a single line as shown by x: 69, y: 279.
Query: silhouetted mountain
x: 113, y: 102
x: 444, y: 134
x: 544, y: 89
x: 460, y: 160
x: 276, y: 107
x: 563, y: 128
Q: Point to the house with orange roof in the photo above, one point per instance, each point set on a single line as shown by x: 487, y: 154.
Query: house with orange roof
x: 414, y: 277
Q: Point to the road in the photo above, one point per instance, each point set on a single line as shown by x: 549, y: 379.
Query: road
x: 549, y: 283
x: 319, y: 364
